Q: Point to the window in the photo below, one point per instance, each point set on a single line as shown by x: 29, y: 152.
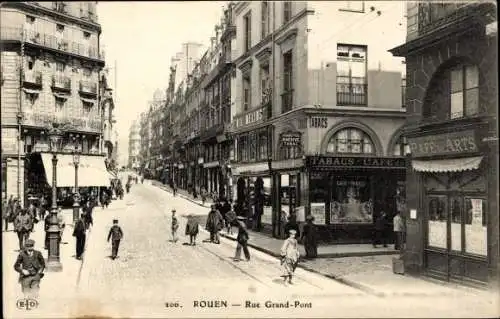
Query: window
x: 265, y: 19
x: 60, y: 28
x: 287, y: 96
x: 351, y: 75
x: 262, y: 146
x: 248, y: 31
x: 264, y: 82
x: 87, y: 72
x: 287, y: 11
x: 464, y: 87
x: 437, y: 229
x: 247, y: 92
x: 59, y: 105
x: 403, y: 93
x: 60, y: 67
x: 401, y: 147
x: 353, y: 6
x: 351, y: 140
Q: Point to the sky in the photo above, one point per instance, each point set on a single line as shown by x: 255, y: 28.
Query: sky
x: 139, y: 38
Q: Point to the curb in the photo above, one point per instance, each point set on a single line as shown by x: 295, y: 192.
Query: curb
x: 180, y: 195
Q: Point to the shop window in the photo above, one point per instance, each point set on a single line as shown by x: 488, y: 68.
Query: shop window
x: 351, y: 140
x: 351, y: 201
x: 475, y: 226
x: 437, y: 225
x: 464, y: 91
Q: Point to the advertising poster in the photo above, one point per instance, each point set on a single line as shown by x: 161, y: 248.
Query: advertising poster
x: 267, y: 216
x: 477, y: 211
x: 301, y: 214
x: 318, y: 212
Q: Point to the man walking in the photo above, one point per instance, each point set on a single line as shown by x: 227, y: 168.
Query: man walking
x: 214, y: 224
x: 79, y: 233
x: 23, y: 225
x: 242, y: 240
x: 115, y: 234
x: 30, y: 266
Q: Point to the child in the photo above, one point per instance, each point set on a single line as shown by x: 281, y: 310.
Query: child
x: 116, y: 234
x: 175, y: 226
x: 289, y: 256
x: 192, y: 230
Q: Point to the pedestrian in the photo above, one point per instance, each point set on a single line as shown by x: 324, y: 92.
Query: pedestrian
x: 174, y: 189
x: 283, y: 221
x: 43, y: 207
x: 309, y: 238
x: 292, y: 224
x: 79, y: 233
x: 289, y: 256
x: 174, y: 226
x: 88, y: 210
x: 5, y: 214
x: 30, y: 266
x: 23, y: 225
x: 61, y: 223
x: 46, y: 228
x: 214, y: 224
x: 115, y: 234
x: 203, y: 194
x: 242, y: 240
x: 380, y: 228
x: 398, y: 231
x: 230, y: 219
x: 192, y: 229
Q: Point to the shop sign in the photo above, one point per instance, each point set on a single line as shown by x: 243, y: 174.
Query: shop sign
x: 336, y: 161
x: 448, y: 143
x: 319, y: 122
x: 290, y: 139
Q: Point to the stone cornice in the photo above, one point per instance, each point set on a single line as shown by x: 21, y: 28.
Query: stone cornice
x: 264, y: 55
x: 241, y: 6
x: 292, y: 33
x: 246, y: 66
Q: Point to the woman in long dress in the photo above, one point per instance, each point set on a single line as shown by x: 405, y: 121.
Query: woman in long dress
x: 289, y: 256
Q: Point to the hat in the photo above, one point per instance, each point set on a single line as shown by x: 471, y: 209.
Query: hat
x: 310, y: 217
x: 292, y: 231
x: 241, y: 218
x: 173, y: 210
x: 115, y: 220
x: 29, y: 243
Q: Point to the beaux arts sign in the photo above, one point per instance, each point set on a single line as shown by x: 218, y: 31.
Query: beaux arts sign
x: 443, y: 144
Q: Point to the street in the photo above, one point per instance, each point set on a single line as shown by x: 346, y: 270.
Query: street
x: 154, y: 277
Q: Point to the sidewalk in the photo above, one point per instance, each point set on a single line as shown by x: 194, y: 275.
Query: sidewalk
x: 184, y: 194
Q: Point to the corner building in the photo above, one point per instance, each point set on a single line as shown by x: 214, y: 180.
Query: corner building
x: 452, y: 195
x: 51, y: 59
x: 318, y: 115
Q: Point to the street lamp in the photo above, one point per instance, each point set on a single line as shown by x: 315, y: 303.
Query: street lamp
x: 76, y: 202
x: 53, y: 261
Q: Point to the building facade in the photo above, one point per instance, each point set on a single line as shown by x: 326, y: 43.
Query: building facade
x: 318, y: 115
x: 134, y: 146
x: 51, y: 61
x: 452, y: 112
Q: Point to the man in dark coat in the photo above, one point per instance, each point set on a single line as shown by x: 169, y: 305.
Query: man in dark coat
x: 23, y: 225
x: 87, y: 210
x: 79, y: 233
x: 115, y: 234
x: 242, y: 240
x: 192, y: 229
x: 30, y: 266
x: 214, y: 224
x: 380, y: 230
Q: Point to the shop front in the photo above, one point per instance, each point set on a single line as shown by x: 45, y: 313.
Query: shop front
x: 346, y: 194
x: 451, y: 171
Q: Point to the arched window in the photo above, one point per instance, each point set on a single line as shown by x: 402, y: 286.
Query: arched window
x: 350, y: 140
x: 401, y: 147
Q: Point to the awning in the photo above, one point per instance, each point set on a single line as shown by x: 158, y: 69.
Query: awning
x: 91, y: 101
x: 30, y: 91
x: 447, y: 165
x: 91, y: 170
x: 61, y: 96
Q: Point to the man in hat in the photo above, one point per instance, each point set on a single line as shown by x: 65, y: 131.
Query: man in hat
x: 214, y: 224
x: 30, y: 266
x: 116, y: 234
x: 23, y: 225
x: 192, y: 229
x: 242, y: 240
x: 79, y: 233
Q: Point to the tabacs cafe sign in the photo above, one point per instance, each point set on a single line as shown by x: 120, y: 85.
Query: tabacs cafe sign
x: 337, y: 161
x: 448, y: 143
x: 290, y: 139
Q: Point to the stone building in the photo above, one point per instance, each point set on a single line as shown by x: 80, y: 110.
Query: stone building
x: 134, y: 145
x: 452, y: 129
x: 51, y: 60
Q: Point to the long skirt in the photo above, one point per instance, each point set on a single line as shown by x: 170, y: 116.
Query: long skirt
x: 288, y: 266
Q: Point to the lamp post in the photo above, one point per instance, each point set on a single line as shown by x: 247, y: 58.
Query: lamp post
x: 53, y: 261
x: 76, y: 202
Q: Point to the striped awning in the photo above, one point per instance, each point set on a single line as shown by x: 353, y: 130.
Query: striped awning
x: 447, y: 165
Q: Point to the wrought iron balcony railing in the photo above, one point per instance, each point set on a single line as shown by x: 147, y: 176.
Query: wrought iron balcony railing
x: 42, y: 119
x: 88, y: 87
x: 32, y: 77
x: 351, y: 94
x: 61, y: 82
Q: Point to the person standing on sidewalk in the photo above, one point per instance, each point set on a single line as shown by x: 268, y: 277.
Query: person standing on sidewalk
x: 115, y: 234
x: 230, y: 219
x: 380, y: 229
x: 289, y: 256
x: 46, y: 225
x: 242, y: 240
x: 23, y: 225
x: 5, y: 214
x: 214, y: 224
x: 203, y: 194
x: 398, y: 231
x: 61, y: 223
x: 174, y: 226
x: 87, y: 210
x: 79, y: 233
x: 30, y: 266
x: 309, y: 238
x: 192, y: 229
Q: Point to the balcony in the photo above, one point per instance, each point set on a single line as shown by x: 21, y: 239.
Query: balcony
x: 33, y: 78
x: 61, y: 82
x: 351, y: 94
x: 87, y: 87
x: 51, y: 42
x: 44, y: 119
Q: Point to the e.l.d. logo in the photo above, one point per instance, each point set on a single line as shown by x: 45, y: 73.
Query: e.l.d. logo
x: 27, y: 304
